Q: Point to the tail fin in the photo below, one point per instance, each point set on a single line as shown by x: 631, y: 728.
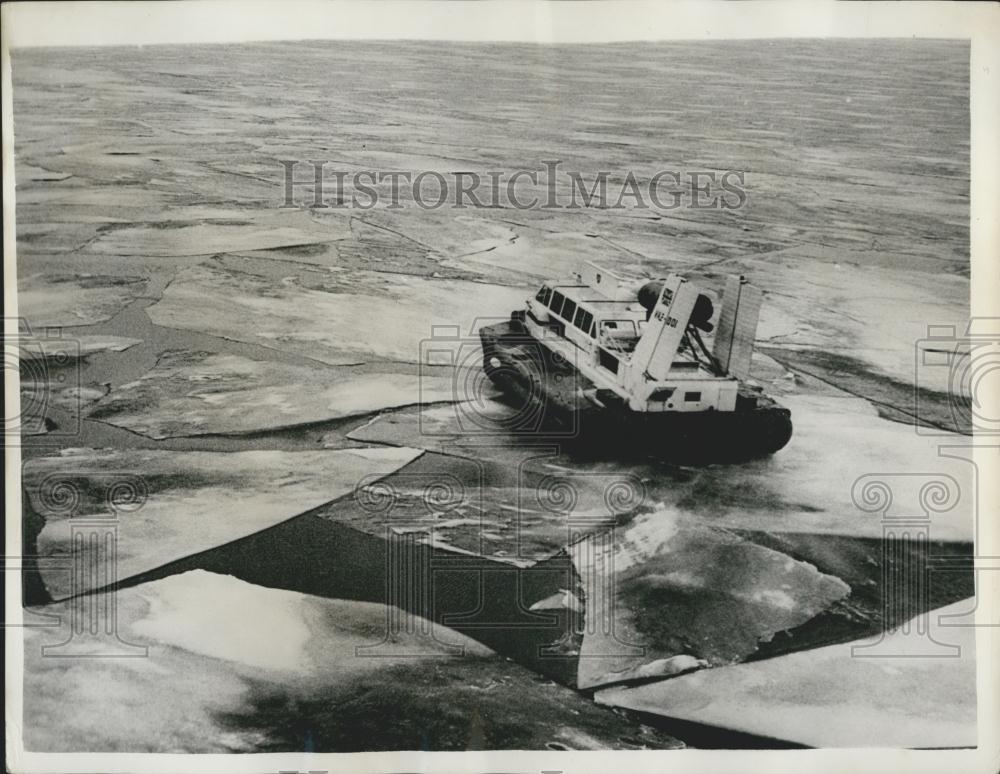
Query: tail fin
x: 654, y: 354
x: 737, y: 329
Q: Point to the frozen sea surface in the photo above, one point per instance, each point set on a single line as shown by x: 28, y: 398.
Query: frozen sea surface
x: 233, y: 353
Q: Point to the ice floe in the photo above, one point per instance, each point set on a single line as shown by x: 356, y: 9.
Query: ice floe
x: 74, y: 299
x: 481, y: 427
x: 65, y: 348
x: 165, y: 505
x: 364, y: 317
x: 206, y: 238
x: 199, y: 393
x: 664, y: 586
x: 515, y: 517
x: 807, y: 488
x: 912, y: 687
x: 874, y: 314
x: 209, y: 663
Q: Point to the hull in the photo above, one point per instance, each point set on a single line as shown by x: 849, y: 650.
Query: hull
x: 560, y: 403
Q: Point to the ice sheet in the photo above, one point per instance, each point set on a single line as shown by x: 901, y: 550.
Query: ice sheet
x: 73, y: 299
x: 802, y: 488
x: 364, y: 316
x: 481, y: 428
x: 878, y: 315
x: 664, y: 586
x: 215, y: 679
x: 207, y: 237
x: 917, y: 688
x: 64, y: 348
x: 807, y: 488
x: 199, y: 393
x: 164, y: 505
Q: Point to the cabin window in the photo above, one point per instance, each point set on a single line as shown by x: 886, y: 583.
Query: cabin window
x: 583, y: 320
x: 661, y: 394
x: 544, y: 295
x: 569, y: 309
x: 557, y: 302
x: 692, y: 397
x: 607, y: 360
